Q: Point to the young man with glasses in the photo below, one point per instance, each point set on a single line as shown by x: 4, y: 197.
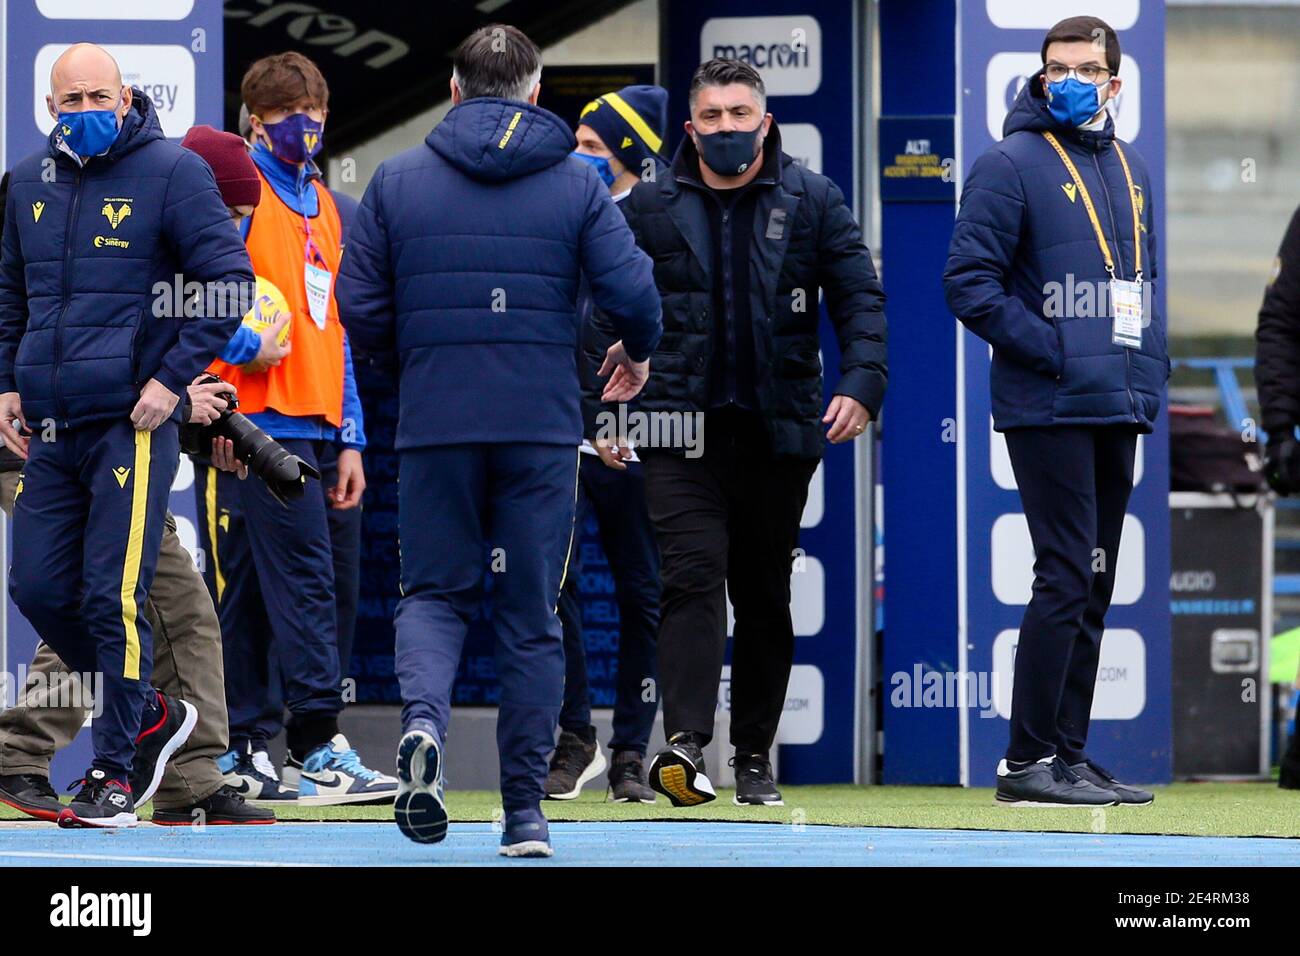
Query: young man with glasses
x: 1061, y: 203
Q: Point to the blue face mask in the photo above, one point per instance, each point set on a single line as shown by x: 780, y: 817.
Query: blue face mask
x: 89, y: 132
x: 602, y: 167
x: 1072, y: 101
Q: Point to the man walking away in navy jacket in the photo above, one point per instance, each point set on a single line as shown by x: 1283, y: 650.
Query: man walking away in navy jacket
x: 94, y: 361
x: 464, y: 262
x: 1053, y: 263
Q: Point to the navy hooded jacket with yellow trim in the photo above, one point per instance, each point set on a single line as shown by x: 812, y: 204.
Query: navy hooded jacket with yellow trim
x: 1023, y: 248
x: 464, y: 262
x: 86, y: 252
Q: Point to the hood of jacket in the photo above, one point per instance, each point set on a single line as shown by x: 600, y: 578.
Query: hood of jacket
x: 493, y: 140
x: 1029, y: 113
x: 139, y: 126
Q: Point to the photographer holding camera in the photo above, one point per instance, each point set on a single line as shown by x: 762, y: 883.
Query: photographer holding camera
x: 1277, y: 378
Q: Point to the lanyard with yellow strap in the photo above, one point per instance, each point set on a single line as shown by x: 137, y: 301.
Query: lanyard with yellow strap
x: 1127, y: 307
x: 1092, y: 210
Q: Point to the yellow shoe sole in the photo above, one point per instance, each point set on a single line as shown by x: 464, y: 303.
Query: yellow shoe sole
x: 673, y: 780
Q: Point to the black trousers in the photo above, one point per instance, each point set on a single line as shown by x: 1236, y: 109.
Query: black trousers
x: 617, y: 498
x: 1074, y: 485
x: 727, y: 523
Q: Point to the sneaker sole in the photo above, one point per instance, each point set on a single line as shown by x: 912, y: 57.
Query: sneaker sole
x: 341, y: 799
x: 38, y: 813
x: 778, y: 802
x: 680, y: 782
x: 211, y: 823
x: 70, y: 821
x: 419, y: 812
x: 610, y: 798
x: 528, y: 848
x: 168, y: 750
x: 593, y: 770
x: 1047, y: 805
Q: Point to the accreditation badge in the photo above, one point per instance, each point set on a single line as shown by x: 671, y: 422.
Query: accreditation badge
x: 317, y: 281
x: 1126, y: 313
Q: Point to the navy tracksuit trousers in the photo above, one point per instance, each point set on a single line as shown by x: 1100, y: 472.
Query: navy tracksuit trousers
x: 463, y: 509
x: 617, y: 498
x: 1074, y: 484
x: 272, y: 574
x: 88, y: 524
x: 255, y: 692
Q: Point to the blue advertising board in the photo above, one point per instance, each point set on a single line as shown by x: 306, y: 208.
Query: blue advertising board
x: 171, y: 49
x: 808, y: 55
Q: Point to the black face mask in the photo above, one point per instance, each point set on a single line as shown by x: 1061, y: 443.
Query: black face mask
x: 729, y: 153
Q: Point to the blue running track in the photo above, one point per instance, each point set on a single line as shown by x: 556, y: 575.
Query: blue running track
x: 626, y: 844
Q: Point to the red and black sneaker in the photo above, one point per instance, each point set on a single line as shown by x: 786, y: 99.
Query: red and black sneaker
x: 32, y: 794
x: 165, y: 726
x: 223, y: 808
x: 103, y: 802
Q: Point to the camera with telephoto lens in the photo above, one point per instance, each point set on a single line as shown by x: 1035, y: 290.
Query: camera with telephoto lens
x: 284, y: 473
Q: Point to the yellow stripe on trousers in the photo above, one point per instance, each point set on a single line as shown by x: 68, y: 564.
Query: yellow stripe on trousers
x: 134, y: 551
x: 210, y: 502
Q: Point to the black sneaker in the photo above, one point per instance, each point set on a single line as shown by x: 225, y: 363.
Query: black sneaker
x: 224, y: 808
x: 627, y: 779
x: 1049, y: 783
x: 574, y: 763
x: 678, y: 771
x: 166, y: 725
x: 755, y: 785
x: 102, y: 802
x: 32, y: 794
x: 1100, y: 777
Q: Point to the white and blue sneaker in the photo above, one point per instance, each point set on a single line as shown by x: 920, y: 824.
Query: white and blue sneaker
x: 333, y: 774
x: 419, y: 810
x: 526, y: 835
x: 252, y: 776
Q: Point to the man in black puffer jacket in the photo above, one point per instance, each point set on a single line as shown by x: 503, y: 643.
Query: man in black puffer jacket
x: 742, y: 238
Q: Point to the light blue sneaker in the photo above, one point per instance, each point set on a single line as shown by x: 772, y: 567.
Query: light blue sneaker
x: 333, y: 774
x: 227, y: 762
x: 420, y: 810
x: 526, y: 835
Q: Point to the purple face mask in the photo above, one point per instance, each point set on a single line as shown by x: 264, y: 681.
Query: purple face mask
x: 296, y: 138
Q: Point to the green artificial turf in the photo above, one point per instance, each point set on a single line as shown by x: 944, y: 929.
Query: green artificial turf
x: 1198, y: 809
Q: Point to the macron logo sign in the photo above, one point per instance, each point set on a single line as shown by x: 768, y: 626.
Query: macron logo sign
x: 787, y: 51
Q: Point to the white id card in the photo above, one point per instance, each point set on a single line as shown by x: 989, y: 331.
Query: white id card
x: 317, y: 281
x: 1126, y: 312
